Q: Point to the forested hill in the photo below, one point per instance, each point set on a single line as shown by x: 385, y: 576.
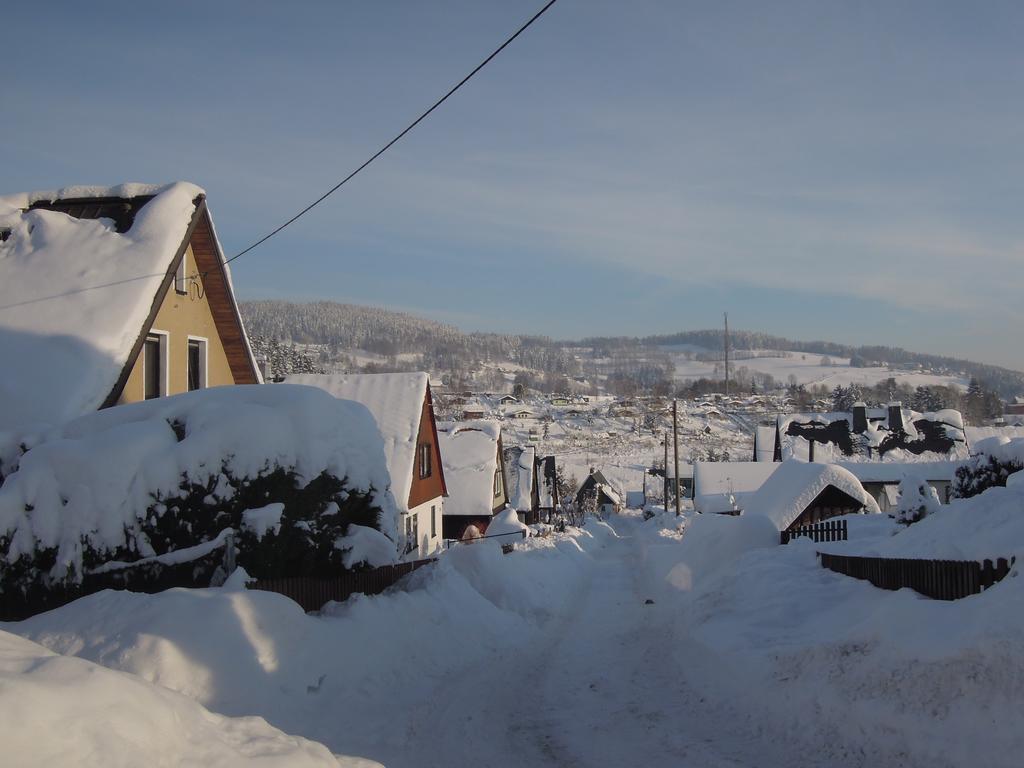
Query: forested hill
x: 342, y: 327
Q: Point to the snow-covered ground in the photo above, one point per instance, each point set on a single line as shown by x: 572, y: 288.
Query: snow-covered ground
x: 59, y: 710
x: 628, y: 643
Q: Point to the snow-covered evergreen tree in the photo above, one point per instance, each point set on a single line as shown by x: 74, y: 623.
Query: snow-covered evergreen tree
x: 917, y: 501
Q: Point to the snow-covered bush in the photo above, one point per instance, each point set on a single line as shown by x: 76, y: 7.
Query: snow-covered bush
x: 917, y: 500
x: 139, y: 481
x: 983, y: 472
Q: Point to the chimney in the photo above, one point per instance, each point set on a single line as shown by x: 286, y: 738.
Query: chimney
x: 860, y: 418
x: 895, y: 417
x: 810, y: 451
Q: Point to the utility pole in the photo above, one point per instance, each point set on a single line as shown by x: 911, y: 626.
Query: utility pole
x: 675, y: 446
x: 726, y: 354
x: 665, y: 495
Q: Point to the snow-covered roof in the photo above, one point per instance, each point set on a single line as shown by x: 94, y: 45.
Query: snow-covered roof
x: 469, y: 452
x: 610, y: 492
x: 75, y: 293
x: 519, y: 470
x: 396, y: 402
x: 795, y: 484
x: 715, y: 481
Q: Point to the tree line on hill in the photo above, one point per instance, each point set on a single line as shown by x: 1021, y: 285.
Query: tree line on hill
x: 626, y: 365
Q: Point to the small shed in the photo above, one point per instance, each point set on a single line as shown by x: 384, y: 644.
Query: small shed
x: 799, y: 493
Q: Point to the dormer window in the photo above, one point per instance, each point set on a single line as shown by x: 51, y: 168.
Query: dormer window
x: 4, y: 234
x: 424, y: 460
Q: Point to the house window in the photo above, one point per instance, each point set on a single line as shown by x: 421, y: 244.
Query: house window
x: 497, y: 483
x: 433, y: 522
x: 412, y: 532
x: 424, y: 460
x: 154, y: 365
x: 180, y: 284
x: 196, y: 363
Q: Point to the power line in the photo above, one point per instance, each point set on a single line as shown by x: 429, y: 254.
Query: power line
x: 397, y: 138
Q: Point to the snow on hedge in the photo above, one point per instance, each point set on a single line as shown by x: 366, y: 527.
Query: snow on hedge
x: 92, y: 483
x: 57, y: 710
x: 74, y: 295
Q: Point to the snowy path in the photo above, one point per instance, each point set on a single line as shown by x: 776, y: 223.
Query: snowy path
x: 603, y: 687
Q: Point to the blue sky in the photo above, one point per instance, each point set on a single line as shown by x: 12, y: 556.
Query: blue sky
x: 846, y: 171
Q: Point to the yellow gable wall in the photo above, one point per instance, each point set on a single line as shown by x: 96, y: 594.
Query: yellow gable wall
x: 181, y: 316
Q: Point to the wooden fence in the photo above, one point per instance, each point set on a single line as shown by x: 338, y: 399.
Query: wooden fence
x: 828, y: 530
x: 311, y: 593
x: 938, y: 579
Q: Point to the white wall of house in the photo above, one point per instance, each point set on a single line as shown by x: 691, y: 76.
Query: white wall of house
x: 428, y: 535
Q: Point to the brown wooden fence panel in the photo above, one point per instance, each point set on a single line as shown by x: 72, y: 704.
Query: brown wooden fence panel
x: 311, y: 593
x: 938, y: 579
x: 827, y: 530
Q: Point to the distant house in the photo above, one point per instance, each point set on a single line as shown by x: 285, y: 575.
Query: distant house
x: 113, y: 295
x: 547, y: 487
x: 520, y: 413
x: 882, y: 479
x: 1016, y: 408
x: 474, y: 472
x: 509, y: 400
x: 800, y: 493
x: 521, y: 482
x: 473, y: 412
x: 560, y: 400
x: 402, y: 405
x: 597, y: 488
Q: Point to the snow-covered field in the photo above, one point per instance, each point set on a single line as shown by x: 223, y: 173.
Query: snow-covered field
x: 628, y: 643
x: 808, y: 369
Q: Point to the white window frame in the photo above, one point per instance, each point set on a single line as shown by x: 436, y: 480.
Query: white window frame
x: 165, y: 362
x: 204, y: 356
x: 425, y: 459
x: 180, y: 282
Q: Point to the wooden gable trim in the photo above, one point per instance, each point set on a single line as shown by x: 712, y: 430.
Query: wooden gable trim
x: 223, y: 307
x: 165, y: 284
x: 425, y: 489
x: 437, y: 440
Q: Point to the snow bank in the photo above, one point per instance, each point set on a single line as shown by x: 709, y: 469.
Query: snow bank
x: 92, y: 482
x: 854, y: 674
x: 354, y: 677
x: 713, y: 543
x: 56, y: 710
x: 987, y: 526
